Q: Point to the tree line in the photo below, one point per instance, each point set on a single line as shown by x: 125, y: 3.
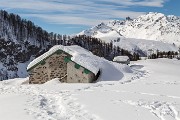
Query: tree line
x: 102, y: 49
x: 163, y: 54
x: 20, y: 40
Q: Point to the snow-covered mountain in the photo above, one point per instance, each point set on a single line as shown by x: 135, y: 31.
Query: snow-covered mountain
x: 152, y: 26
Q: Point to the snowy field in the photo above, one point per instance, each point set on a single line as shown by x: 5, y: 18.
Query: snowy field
x: 150, y: 92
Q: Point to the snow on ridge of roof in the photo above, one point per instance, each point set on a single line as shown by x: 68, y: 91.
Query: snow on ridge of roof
x: 121, y: 58
x: 79, y: 55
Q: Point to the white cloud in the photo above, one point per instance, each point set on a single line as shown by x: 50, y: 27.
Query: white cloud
x: 81, y: 12
x: 150, y: 3
x: 65, y: 19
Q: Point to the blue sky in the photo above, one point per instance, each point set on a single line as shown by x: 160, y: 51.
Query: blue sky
x: 73, y: 16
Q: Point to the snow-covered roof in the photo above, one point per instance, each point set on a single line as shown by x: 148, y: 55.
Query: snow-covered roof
x: 121, y: 58
x: 79, y: 55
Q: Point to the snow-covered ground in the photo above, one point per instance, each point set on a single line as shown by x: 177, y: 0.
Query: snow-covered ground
x: 150, y: 92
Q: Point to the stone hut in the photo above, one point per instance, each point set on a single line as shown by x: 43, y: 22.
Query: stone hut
x: 70, y: 64
x: 122, y: 59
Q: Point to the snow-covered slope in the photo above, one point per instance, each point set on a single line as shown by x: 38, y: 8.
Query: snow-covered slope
x: 100, y: 31
x: 152, y: 26
x: 20, y: 41
x: 141, y: 46
x: 153, y: 96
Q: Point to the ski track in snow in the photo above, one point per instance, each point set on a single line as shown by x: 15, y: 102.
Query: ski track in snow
x: 162, y: 110
x: 59, y: 106
x: 44, y: 105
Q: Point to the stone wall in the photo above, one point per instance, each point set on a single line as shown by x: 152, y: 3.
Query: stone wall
x: 56, y: 67
x: 38, y: 75
x: 53, y: 67
x: 77, y: 75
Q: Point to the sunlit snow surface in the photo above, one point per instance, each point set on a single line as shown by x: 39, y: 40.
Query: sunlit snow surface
x: 152, y: 26
x: 148, y: 90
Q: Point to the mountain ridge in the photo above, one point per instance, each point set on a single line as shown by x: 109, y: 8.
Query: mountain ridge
x: 152, y: 26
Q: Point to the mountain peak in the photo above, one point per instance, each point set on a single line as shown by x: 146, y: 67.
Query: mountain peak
x: 154, y: 13
x: 151, y: 26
